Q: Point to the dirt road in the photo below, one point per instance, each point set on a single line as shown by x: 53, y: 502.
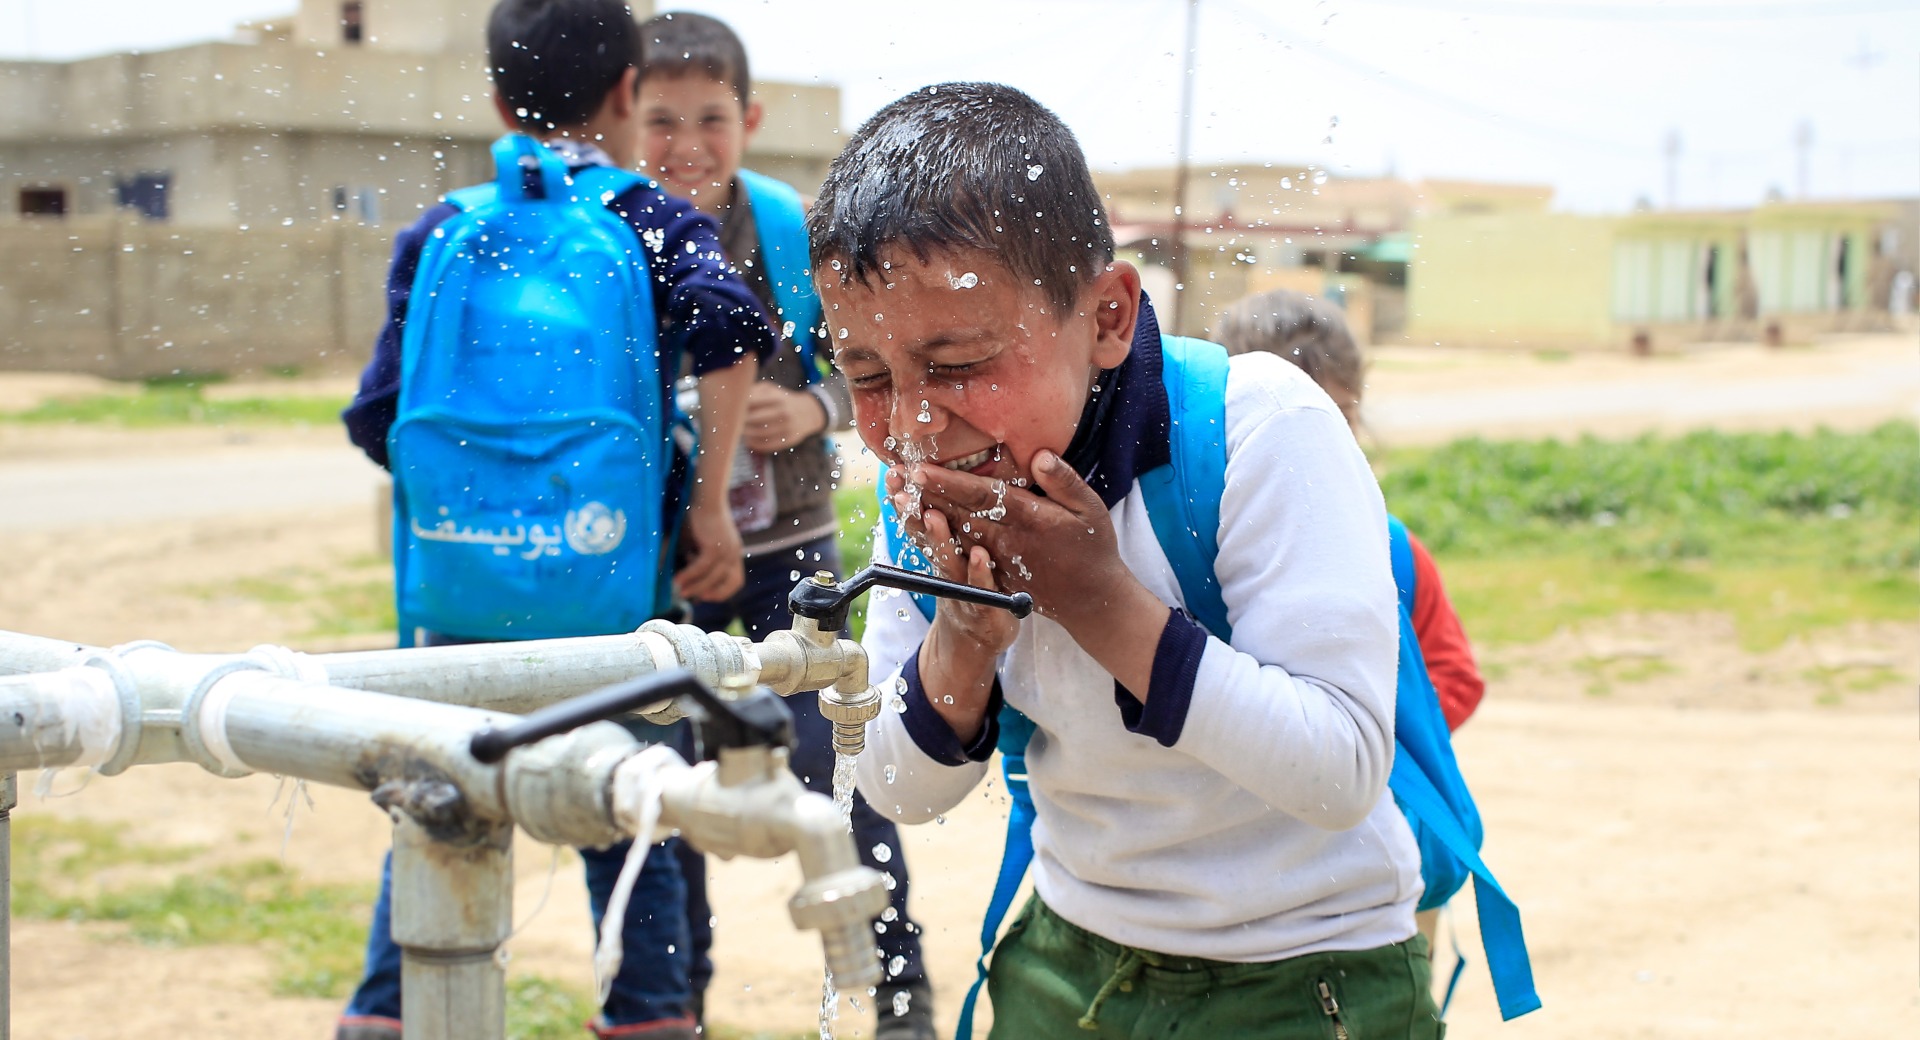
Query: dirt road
x: 1720, y: 850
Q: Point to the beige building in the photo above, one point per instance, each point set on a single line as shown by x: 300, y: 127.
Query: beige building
x: 231, y: 204
x: 1780, y: 272
x: 1255, y: 227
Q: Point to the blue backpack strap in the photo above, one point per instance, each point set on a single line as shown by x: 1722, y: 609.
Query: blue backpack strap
x: 523, y: 168
x: 1186, y: 523
x: 782, y: 223
x: 1447, y: 826
x: 1500, y: 931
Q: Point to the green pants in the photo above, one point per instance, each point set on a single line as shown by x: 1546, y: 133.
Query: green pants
x: 1052, y: 980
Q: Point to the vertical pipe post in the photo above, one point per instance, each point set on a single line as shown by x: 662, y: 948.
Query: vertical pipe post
x: 452, y: 908
x: 9, y: 797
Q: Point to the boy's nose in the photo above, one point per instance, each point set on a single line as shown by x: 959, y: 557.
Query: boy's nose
x: 916, y: 415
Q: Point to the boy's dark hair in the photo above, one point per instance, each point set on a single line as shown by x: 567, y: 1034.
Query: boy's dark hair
x: 965, y: 166
x: 681, y: 43
x: 1311, y: 333
x: 553, y: 61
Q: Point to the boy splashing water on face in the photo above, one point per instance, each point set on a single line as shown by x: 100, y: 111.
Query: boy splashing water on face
x: 1215, y: 853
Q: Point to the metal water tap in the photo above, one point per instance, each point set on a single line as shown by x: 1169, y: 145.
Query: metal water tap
x: 740, y: 800
x: 820, y: 606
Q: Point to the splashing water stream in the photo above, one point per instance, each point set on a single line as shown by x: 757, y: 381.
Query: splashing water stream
x: 843, y: 766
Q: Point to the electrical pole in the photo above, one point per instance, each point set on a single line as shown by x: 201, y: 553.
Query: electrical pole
x: 1803, y: 144
x: 1179, y: 240
x: 1672, y: 148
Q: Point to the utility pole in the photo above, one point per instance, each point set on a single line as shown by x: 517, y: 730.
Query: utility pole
x: 1672, y: 149
x: 1803, y: 144
x: 1179, y: 240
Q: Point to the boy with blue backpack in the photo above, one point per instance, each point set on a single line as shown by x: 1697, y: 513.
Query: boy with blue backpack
x: 1204, y: 713
x: 697, y: 115
x: 520, y: 393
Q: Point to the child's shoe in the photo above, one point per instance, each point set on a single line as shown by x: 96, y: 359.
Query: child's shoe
x: 914, y: 1020
x: 367, y: 1027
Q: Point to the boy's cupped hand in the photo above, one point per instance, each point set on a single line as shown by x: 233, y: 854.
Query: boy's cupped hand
x: 1060, y: 548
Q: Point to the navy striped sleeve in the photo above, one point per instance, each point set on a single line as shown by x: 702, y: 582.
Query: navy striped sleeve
x: 931, y: 732
x: 1176, y: 664
x: 371, y: 414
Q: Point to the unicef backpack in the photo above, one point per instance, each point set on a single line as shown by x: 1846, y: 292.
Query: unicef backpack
x: 530, y: 449
x: 1183, y: 504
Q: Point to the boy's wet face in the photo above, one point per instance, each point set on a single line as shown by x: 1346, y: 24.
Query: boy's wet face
x: 693, y: 133
x: 953, y: 362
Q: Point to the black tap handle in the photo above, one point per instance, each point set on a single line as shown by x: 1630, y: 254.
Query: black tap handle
x: 726, y: 725
x: 827, y: 603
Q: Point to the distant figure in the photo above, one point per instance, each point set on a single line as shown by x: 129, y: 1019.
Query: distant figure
x: 1313, y: 335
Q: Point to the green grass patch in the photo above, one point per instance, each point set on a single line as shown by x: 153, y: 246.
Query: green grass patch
x: 171, y: 403
x: 538, y: 1008
x: 353, y: 599
x: 317, y: 933
x: 859, y: 509
x: 1785, y: 532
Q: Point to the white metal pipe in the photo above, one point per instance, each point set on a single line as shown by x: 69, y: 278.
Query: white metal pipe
x: 22, y: 654
x: 452, y: 908
x: 58, y: 719
x: 9, y: 797
x: 523, y: 676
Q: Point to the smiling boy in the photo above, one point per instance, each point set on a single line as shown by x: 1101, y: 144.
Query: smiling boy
x: 1214, y: 851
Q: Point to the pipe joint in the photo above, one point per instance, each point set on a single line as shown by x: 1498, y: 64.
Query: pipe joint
x: 560, y: 789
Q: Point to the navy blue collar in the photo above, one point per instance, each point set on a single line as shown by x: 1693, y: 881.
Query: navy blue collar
x: 1127, y: 434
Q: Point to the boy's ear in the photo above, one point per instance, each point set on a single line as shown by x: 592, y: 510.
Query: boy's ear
x: 506, y: 112
x: 751, y: 118
x: 624, y: 98
x: 1114, y: 296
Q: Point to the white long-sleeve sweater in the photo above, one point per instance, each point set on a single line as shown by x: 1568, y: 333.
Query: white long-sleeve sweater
x: 1241, y: 814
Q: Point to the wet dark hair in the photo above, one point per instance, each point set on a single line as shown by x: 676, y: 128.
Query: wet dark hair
x: 681, y: 43
x: 555, y: 60
x: 1311, y: 333
x: 965, y: 166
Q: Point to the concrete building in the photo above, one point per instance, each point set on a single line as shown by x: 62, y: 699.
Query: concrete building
x: 1781, y: 272
x: 231, y: 204
x: 1256, y: 227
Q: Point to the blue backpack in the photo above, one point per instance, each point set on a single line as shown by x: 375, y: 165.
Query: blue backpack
x: 1183, y: 503
x: 782, y: 223
x: 530, y: 446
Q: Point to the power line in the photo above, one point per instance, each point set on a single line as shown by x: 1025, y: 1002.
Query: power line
x: 1427, y: 94
x: 1736, y: 12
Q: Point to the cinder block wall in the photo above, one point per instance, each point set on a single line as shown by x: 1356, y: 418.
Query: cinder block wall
x: 128, y: 299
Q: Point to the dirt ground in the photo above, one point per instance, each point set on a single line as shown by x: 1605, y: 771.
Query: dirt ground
x: 1722, y: 845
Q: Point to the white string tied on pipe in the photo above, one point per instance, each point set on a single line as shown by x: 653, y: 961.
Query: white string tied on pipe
x: 636, y: 803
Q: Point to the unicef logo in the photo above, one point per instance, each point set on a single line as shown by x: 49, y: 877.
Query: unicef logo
x: 595, y: 530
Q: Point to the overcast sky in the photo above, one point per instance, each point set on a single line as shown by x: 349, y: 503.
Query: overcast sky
x: 1584, y: 95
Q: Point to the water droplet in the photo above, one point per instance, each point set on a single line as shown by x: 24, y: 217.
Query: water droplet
x: 883, y: 853
x: 965, y: 281
x: 894, y: 967
x: 926, y: 412
x: 1034, y: 171
x: 901, y: 998
x: 891, y: 773
x: 939, y: 819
